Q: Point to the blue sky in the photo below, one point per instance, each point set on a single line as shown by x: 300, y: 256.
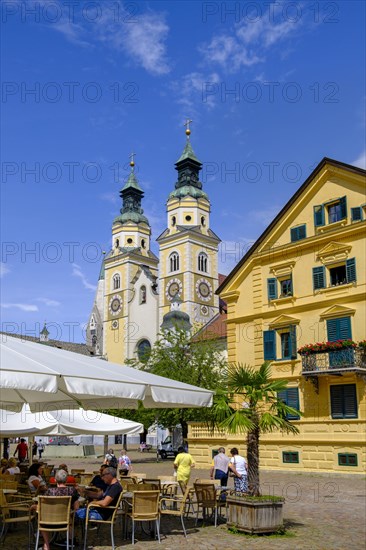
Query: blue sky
x: 271, y: 88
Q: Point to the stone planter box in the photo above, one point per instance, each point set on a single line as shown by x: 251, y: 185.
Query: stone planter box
x: 254, y: 516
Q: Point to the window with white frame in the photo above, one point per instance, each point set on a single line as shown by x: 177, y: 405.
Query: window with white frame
x: 116, y: 282
x: 202, y: 262
x: 174, y: 262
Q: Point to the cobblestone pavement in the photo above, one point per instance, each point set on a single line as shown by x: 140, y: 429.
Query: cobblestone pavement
x: 321, y: 512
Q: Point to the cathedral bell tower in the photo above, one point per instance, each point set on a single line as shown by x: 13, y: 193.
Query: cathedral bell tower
x: 188, y: 246
x: 130, y: 270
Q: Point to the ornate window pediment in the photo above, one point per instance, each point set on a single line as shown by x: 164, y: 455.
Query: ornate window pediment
x: 283, y: 269
x: 284, y: 321
x: 337, y: 311
x: 334, y: 252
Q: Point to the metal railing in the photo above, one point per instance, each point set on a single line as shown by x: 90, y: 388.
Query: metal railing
x: 331, y: 361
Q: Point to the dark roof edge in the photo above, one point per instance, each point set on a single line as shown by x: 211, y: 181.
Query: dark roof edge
x: 322, y: 163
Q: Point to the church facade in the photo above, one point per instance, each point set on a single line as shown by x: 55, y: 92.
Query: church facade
x: 135, y: 287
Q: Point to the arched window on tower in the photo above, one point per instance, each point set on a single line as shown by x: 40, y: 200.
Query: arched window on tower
x: 174, y: 261
x: 202, y: 262
x: 116, y: 282
x: 143, y: 295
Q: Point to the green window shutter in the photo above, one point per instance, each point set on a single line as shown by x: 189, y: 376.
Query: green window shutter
x: 339, y: 329
x: 351, y: 270
x: 298, y: 233
x: 293, y: 344
x: 350, y: 401
x: 319, y: 218
x: 356, y: 214
x: 318, y: 277
x: 290, y: 397
x: 269, y: 344
x: 343, y: 204
x: 336, y: 401
x: 293, y: 401
x: 272, y: 288
x: 302, y: 232
x: 332, y: 330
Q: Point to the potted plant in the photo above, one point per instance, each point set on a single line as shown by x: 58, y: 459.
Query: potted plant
x: 250, y: 404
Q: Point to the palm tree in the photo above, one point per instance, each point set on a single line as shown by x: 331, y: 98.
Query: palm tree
x: 250, y: 404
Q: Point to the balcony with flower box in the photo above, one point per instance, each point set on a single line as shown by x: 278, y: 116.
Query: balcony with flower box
x: 333, y: 358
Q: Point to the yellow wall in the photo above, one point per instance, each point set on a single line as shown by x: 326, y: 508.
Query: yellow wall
x: 250, y: 312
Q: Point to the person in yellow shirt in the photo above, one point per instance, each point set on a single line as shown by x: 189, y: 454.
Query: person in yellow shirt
x: 183, y: 463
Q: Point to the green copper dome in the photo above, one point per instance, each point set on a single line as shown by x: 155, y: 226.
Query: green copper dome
x: 131, y: 216
x: 188, y: 190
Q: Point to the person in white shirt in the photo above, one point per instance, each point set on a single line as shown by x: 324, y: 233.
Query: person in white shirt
x: 13, y: 467
x: 238, y: 465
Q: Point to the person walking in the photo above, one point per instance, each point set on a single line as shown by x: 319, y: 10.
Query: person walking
x: 238, y: 465
x: 34, y: 449
x: 40, y: 447
x: 183, y: 464
x: 22, y: 450
x: 220, y: 467
x: 124, y: 463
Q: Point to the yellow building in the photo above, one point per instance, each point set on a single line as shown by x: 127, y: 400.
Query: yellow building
x: 303, y: 282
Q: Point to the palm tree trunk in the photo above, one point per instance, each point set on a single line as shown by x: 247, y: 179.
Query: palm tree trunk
x: 253, y: 462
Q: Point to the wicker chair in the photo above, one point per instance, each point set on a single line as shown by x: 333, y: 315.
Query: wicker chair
x: 110, y: 521
x: 8, y: 484
x: 54, y: 515
x: 206, y: 497
x: 169, y: 506
x: 144, y: 507
x: 6, y: 515
x: 154, y: 482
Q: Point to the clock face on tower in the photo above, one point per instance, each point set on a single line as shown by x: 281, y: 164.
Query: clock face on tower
x: 204, y: 290
x: 173, y: 288
x: 115, y: 304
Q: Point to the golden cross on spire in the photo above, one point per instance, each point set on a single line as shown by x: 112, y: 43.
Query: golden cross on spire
x: 132, y: 161
x: 188, y: 130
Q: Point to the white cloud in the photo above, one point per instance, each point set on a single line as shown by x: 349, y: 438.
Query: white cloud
x: 144, y: 41
x: 248, y: 43
x: 48, y: 302
x: 141, y: 37
x: 360, y: 161
x: 76, y: 271
x: 22, y: 307
x: 196, y: 89
x: 4, y: 269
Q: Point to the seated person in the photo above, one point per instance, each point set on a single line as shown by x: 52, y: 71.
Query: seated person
x: 108, y: 498
x: 69, y: 479
x: 3, y: 465
x: 61, y: 490
x: 13, y: 467
x: 35, y: 480
x: 142, y: 446
x: 98, y: 480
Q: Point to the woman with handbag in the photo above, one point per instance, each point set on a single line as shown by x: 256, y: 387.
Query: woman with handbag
x: 239, y: 471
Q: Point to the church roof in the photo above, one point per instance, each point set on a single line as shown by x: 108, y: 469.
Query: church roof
x: 176, y: 319
x: 132, y: 183
x: 214, y: 329
x: 188, y: 153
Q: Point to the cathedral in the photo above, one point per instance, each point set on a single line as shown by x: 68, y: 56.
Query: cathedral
x: 139, y: 295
